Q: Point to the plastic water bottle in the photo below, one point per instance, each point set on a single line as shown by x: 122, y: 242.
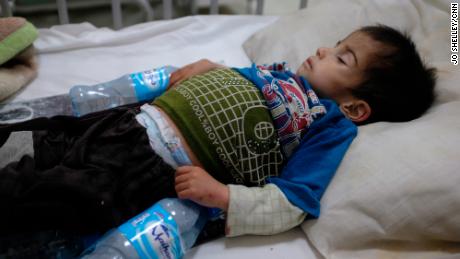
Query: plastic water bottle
x: 130, y: 88
x: 166, y: 230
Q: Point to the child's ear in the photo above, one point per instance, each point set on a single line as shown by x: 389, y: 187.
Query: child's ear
x: 356, y: 110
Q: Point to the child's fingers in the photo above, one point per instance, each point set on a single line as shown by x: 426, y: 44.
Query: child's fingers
x: 176, y: 78
x: 181, y: 187
x: 184, y: 190
x: 184, y: 194
x: 184, y: 169
x: 179, y: 75
x: 181, y: 178
x: 183, y: 174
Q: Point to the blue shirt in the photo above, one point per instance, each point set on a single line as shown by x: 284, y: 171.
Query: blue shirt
x: 312, y: 166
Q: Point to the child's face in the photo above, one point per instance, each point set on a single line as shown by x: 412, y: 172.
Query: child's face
x: 333, y: 72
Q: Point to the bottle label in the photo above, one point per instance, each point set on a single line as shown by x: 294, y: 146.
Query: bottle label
x: 153, y: 234
x: 150, y: 83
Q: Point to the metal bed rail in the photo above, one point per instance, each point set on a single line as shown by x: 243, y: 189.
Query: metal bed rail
x: 63, y: 12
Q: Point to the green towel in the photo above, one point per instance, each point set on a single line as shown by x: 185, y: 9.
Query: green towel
x: 17, y: 56
x: 16, y: 34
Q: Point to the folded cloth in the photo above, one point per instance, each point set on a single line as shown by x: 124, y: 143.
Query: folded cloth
x: 17, y: 56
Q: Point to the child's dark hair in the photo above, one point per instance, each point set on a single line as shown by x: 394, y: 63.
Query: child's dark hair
x: 398, y: 85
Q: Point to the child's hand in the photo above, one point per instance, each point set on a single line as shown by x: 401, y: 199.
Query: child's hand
x: 200, y: 67
x: 196, y: 184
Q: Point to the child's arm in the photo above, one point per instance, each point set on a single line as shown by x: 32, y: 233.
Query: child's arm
x: 250, y: 210
x: 197, y: 68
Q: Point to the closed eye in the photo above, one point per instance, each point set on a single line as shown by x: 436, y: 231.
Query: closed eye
x: 341, y: 60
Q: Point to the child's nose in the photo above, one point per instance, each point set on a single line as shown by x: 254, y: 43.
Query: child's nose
x: 321, y: 52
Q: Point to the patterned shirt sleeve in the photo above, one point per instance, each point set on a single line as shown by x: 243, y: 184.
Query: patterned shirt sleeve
x: 260, y: 211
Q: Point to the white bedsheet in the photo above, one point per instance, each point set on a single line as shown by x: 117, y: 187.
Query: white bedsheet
x: 82, y: 54
x: 292, y: 244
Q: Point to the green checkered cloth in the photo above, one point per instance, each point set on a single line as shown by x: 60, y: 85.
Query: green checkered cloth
x: 225, y: 120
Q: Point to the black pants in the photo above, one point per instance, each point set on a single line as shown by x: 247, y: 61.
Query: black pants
x: 88, y: 174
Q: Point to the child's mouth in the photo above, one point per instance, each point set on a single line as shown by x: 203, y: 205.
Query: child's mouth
x: 308, y: 63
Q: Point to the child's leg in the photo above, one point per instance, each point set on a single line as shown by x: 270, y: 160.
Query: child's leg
x: 32, y: 201
x: 18, y: 144
x: 98, y: 178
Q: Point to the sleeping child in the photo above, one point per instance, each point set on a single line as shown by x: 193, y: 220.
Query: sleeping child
x: 261, y: 143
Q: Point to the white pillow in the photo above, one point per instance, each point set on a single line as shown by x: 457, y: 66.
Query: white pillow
x: 397, y: 191
x: 295, y: 37
x: 398, y: 188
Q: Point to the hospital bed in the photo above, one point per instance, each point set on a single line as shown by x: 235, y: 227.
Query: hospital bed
x: 62, y: 7
x: 396, y: 192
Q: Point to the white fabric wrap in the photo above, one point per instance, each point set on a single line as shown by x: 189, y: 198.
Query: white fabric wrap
x: 260, y: 211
